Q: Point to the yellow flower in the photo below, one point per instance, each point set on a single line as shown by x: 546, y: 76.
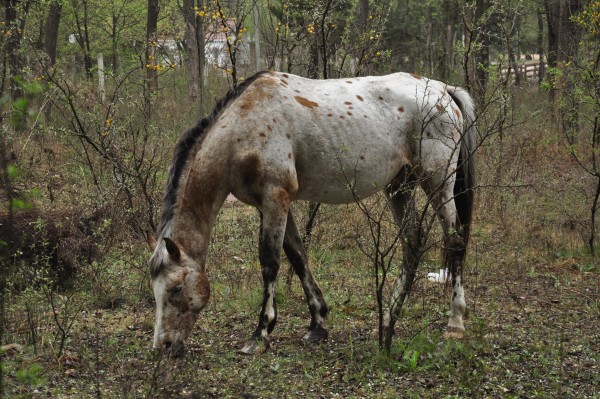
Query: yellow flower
x: 109, y: 122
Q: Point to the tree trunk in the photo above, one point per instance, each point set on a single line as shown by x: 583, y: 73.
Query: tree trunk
x: 563, y: 41
x: 114, y: 59
x: 482, y: 55
x: 450, y: 9
x: 540, y: 45
x: 363, y: 15
x: 201, y: 50
x: 82, y: 35
x: 194, y: 31
x: 429, y: 42
x: 151, y: 26
x: 51, y: 35
x: 16, y: 26
x: 477, y: 55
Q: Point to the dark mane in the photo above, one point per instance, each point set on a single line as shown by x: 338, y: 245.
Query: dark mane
x: 187, y: 143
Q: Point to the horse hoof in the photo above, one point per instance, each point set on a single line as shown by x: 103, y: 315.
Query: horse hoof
x: 317, y: 335
x: 454, y: 333
x: 255, y: 347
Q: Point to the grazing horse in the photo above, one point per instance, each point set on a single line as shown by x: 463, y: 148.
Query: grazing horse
x: 279, y: 138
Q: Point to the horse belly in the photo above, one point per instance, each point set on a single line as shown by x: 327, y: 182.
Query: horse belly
x: 343, y: 178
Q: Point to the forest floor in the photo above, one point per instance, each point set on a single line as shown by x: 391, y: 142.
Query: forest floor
x: 533, y: 331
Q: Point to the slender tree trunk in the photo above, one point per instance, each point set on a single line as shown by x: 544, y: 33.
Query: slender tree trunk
x: 540, y: 45
x: 201, y: 49
x: 313, y: 64
x: 151, y: 26
x: 563, y: 41
x: 429, y: 43
x: 482, y: 55
x: 194, y: 30
x: 477, y: 55
x: 450, y: 9
x: 51, y: 35
x: 114, y: 59
x: 6, y: 251
x: 16, y: 26
x: 256, y: 19
x: 363, y: 15
x: 82, y: 35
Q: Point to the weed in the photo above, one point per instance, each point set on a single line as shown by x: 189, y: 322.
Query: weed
x: 31, y: 376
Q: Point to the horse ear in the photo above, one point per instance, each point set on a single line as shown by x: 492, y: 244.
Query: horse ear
x: 172, y: 249
x: 151, y: 241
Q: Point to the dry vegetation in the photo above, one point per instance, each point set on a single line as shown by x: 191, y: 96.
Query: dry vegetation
x: 532, y: 288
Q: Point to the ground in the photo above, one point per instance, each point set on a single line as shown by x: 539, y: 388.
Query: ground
x: 533, y: 331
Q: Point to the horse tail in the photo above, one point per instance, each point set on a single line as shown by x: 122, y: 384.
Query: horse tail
x: 465, y: 173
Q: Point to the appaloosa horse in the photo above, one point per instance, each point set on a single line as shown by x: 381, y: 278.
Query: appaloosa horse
x: 279, y: 138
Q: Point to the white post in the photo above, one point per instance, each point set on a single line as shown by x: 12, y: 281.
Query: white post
x: 101, y: 75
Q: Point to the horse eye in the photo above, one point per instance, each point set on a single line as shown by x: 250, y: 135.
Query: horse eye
x: 177, y: 289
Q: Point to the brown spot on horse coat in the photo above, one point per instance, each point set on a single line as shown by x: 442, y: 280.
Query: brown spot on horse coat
x: 439, y: 107
x: 281, y: 196
x: 247, y: 105
x: 259, y: 91
x: 457, y: 112
x: 202, y: 286
x: 269, y: 128
x: 400, y: 109
x: 349, y: 81
x: 348, y: 102
x: 349, y: 113
x: 285, y: 75
x: 360, y: 98
x: 330, y: 114
x: 251, y: 170
x: 306, y: 102
x: 262, y: 134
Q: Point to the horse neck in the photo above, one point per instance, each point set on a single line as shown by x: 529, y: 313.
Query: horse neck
x: 200, y: 200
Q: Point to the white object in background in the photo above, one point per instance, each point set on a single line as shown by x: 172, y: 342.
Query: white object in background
x: 441, y: 277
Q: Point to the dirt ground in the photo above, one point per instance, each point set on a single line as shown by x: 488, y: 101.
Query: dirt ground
x: 533, y: 332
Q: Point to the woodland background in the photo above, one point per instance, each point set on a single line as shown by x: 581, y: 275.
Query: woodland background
x: 93, y: 95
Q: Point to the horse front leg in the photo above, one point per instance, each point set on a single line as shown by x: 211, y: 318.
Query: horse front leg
x: 296, y: 253
x: 273, y: 222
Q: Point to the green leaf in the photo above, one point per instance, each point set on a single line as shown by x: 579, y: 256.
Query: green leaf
x: 19, y: 204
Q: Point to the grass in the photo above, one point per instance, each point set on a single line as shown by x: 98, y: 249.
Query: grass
x: 533, y: 295
x: 533, y: 331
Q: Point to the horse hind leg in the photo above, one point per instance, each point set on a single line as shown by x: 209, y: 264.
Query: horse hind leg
x: 296, y: 253
x: 402, y: 201
x: 454, y: 252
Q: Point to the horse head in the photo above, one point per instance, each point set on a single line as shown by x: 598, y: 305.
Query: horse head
x: 181, y: 291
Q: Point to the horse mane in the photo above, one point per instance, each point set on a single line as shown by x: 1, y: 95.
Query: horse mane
x: 186, y: 148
